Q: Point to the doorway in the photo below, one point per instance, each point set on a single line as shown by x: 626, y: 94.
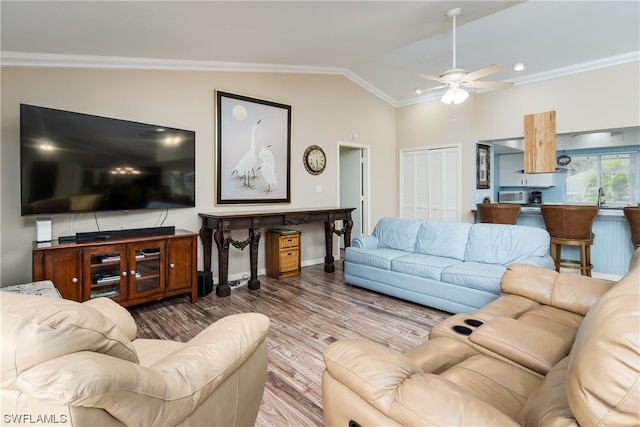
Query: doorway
x: 353, y: 181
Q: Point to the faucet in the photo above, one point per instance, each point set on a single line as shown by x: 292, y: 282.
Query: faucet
x: 601, y: 196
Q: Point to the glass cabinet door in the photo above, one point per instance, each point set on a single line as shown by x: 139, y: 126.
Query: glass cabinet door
x: 146, y: 262
x: 105, y: 273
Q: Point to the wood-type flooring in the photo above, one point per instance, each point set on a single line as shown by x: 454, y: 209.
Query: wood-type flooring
x: 307, y: 313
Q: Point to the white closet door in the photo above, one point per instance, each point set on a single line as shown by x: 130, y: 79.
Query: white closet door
x: 414, y: 203
x: 431, y: 184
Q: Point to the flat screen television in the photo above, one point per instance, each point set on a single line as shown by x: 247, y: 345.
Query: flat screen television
x: 73, y: 163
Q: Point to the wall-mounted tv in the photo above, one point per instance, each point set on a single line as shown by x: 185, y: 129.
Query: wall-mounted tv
x: 73, y: 163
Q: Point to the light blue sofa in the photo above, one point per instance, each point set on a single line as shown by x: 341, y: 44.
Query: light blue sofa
x: 451, y: 266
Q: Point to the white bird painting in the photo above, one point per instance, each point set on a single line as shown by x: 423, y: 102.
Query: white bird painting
x: 267, y: 168
x: 244, y: 169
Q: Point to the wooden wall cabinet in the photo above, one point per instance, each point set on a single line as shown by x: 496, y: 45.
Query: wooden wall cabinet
x: 540, y: 142
x: 129, y: 271
x: 283, y: 254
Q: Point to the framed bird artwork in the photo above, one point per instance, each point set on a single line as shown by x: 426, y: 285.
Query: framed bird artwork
x: 253, y: 150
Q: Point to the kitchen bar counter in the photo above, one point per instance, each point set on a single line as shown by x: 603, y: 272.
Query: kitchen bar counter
x: 612, y: 247
x: 604, y: 212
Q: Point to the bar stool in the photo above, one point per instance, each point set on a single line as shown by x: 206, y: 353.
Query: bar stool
x: 498, y: 213
x: 632, y: 213
x: 570, y: 225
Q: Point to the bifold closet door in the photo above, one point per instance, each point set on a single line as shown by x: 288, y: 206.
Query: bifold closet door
x: 430, y: 184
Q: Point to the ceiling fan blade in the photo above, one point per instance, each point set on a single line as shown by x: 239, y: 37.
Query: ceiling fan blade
x: 418, y: 92
x: 488, y: 85
x: 430, y: 77
x: 483, y: 72
x: 433, y: 88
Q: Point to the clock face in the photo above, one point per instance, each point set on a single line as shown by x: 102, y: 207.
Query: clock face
x: 314, y: 160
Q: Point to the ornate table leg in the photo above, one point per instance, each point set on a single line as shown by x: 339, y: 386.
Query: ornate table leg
x: 223, y: 238
x: 347, y: 225
x: 329, y: 229
x: 207, y: 243
x: 254, y: 236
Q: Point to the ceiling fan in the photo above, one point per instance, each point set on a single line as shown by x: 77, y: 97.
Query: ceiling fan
x: 457, y: 78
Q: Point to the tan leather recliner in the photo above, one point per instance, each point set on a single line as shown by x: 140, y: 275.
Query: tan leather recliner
x: 452, y: 381
x: 67, y: 363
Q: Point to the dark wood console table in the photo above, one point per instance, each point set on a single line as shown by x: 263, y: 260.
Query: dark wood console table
x: 218, y: 227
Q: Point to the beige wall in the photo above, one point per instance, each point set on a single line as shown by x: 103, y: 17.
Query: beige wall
x: 325, y: 109
x: 600, y: 99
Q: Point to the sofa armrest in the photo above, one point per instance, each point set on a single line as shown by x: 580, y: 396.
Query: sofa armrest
x: 571, y: 292
x: 527, y: 345
x: 397, y: 388
x: 365, y: 242
x: 163, y: 394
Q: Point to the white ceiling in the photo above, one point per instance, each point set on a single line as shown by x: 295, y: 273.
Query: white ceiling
x: 381, y: 45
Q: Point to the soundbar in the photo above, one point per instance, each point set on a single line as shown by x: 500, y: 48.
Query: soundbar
x: 123, y: 234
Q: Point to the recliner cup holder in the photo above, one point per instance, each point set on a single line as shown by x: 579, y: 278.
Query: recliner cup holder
x: 462, y: 330
x: 473, y: 322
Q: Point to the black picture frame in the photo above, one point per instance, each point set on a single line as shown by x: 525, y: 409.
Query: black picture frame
x: 483, y: 166
x: 253, y: 150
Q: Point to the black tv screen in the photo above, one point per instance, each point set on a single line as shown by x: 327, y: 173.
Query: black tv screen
x: 73, y: 163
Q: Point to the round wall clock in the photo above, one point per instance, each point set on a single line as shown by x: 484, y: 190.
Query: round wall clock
x: 314, y: 160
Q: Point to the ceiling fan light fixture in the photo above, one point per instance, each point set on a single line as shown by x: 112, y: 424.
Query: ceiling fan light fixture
x: 460, y: 96
x: 454, y: 95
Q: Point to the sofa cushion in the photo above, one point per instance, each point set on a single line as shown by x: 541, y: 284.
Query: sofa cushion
x: 66, y: 326
x: 484, y: 277
x: 446, y: 239
x: 603, y: 379
x: 505, y: 244
x: 379, y: 258
x: 426, y: 266
x: 397, y: 233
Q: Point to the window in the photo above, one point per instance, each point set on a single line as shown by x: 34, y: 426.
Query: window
x: 616, y: 174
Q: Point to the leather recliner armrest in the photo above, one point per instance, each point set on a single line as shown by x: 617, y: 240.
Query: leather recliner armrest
x: 396, y: 387
x: 524, y: 344
x: 163, y: 394
x: 116, y: 313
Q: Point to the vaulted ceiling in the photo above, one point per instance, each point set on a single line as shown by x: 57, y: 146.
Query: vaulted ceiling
x: 381, y: 45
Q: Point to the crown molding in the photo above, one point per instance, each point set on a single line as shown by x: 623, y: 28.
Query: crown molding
x: 26, y: 59
x: 581, y: 68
